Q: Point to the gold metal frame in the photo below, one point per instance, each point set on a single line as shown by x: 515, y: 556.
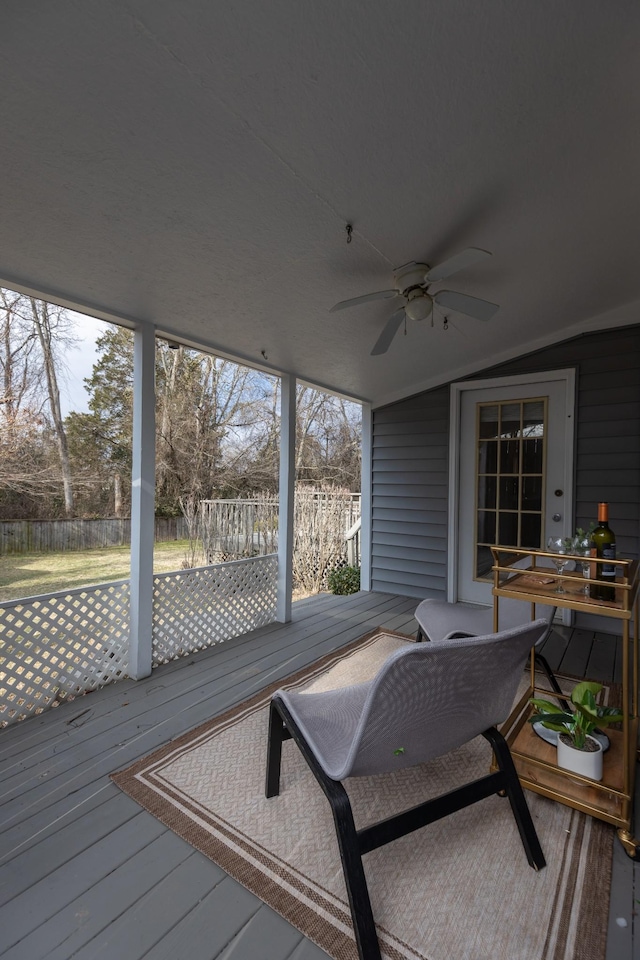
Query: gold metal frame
x: 610, y: 799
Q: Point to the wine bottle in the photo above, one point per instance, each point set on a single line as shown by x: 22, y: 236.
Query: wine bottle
x: 603, y: 541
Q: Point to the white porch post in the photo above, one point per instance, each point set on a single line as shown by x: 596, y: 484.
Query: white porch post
x: 365, y: 492
x: 287, y: 492
x: 142, y: 502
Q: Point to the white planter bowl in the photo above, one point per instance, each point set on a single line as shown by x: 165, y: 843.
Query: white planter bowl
x: 586, y: 763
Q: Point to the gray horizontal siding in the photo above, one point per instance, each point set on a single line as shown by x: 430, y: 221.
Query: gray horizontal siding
x: 387, y: 476
x: 411, y: 449
x: 424, y: 454
x: 407, y: 427
x: 603, y: 429
x: 419, y: 585
x: 411, y: 439
x: 409, y: 501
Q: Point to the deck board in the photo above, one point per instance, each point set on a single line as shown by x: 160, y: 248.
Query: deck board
x: 153, y: 913
x: 574, y: 662
x: 602, y: 657
x: 266, y: 937
x: 66, y: 842
x: 230, y: 903
x: 85, y: 873
x: 555, y: 647
x: 46, y: 900
x: 113, y: 740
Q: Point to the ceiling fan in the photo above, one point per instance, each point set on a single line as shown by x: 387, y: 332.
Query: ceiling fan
x: 412, y: 282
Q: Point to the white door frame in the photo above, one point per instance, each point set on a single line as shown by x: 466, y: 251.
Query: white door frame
x: 455, y: 403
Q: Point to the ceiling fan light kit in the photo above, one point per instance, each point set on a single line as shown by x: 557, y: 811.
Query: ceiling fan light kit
x: 412, y: 282
x: 419, y: 305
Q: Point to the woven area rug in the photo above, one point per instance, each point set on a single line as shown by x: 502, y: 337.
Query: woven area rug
x: 460, y: 888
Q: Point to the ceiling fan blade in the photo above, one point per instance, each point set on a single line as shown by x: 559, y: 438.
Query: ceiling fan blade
x: 391, y: 328
x: 462, y: 303
x: 466, y: 258
x: 366, y: 298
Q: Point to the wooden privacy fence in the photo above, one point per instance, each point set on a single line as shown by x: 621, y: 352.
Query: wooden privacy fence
x: 52, y: 536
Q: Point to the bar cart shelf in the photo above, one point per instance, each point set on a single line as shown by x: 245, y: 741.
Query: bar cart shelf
x: 527, y: 575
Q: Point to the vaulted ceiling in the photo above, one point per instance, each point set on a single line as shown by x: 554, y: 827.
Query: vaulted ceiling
x: 195, y: 163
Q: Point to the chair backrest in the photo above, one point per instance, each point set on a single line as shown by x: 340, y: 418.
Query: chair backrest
x: 429, y: 698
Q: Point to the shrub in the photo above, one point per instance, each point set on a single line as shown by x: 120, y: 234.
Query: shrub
x: 344, y: 580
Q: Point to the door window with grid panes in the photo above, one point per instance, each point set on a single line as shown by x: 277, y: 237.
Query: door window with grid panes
x: 510, y: 465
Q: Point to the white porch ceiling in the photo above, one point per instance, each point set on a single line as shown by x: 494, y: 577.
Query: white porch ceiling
x: 194, y: 163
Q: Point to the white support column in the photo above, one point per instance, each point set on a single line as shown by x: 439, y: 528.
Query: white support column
x: 287, y: 491
x: 142, y: 502
x: 365, y: 491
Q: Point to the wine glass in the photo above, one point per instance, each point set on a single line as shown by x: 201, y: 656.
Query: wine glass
x: 582, y: 548
x: 558, y: 545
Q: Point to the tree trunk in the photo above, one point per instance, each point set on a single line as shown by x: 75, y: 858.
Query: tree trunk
x: 117, y: 495
x: 45, y: 336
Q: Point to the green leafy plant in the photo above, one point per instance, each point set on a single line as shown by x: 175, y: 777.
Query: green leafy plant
x: 580, y: 538
x: 344, y: 580
x: 585, y: 534
x: 583, y: 720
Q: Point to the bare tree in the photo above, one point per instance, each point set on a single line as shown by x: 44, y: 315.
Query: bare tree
x: 17, y: 342
x: 51, y: 326
x: 192, y: 513
x: 207, y: 409
x: 218, y: 423
x: 26, y: 468
x: 33, y: 444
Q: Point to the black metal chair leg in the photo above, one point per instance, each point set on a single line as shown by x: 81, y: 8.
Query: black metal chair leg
x: 517, y: 799
x: 361, y: 913
x: 282, y: 726
x: 274, y: 752
x: 351, y: 844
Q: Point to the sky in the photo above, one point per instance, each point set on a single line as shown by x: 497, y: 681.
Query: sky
x: 79, y: 363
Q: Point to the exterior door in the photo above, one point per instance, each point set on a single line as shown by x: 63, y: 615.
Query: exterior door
x: 512, y: 472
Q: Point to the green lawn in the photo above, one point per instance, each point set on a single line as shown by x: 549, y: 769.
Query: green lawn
x: 31, y: 574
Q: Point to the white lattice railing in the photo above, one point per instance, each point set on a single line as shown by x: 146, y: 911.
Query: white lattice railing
x: 59, y: 645
x: 63, y: 644
x: 193, y: 609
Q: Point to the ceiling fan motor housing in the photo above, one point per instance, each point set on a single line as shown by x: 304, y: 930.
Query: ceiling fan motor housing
x: 410, y: 275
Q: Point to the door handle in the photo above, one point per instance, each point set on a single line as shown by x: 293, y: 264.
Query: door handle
x: 557, y: 517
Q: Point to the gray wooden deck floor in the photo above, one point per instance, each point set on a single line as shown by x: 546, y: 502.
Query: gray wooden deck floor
x: 85, y: 873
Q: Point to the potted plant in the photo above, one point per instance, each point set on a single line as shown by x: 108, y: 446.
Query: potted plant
x: 578, y: 751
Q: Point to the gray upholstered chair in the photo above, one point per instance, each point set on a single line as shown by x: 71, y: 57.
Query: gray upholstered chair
x: 427, y: 698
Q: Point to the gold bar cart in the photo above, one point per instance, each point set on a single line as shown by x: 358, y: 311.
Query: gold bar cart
x: 527, y: 575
